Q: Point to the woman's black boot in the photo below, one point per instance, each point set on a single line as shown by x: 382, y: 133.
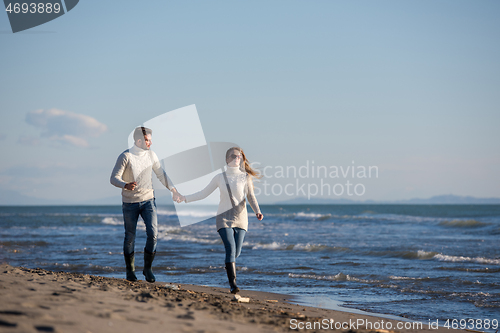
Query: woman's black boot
x: 130, y: 264
x: 231, y: 276
x: 148, y: 262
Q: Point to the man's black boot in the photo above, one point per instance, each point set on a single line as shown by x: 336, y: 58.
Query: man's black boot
x: 231, y: 276
x: 130, y: 264
x: 148, y: 262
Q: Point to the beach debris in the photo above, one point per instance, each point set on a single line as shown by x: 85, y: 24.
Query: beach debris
x: 239, y: 299
x: 172, y: 286
x: 272, y: 301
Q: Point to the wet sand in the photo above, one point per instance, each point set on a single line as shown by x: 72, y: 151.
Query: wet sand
x: 37, y: 300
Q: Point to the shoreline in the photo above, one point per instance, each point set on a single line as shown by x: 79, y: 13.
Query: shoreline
x: 38, y: 300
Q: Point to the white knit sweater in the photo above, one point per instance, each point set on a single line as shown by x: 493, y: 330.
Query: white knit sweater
x: 241, y: 186
x: 136, y: 165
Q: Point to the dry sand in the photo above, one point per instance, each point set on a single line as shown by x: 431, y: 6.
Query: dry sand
x: 37, y: 300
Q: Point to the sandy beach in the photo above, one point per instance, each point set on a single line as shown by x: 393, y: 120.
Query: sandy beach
x: 37, y: 300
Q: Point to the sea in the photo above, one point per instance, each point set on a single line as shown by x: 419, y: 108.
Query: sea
x: 419, y: 262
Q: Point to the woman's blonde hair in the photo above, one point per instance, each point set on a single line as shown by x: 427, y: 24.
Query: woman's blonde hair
x: 245, y: 164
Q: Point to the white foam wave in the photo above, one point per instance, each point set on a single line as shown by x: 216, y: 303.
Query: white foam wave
x: 301, y: 216
x: 480, y: 260
x: 112, y: 221
x: 268, y: 246
x: 421, y: 254
x: 401, y: 278
x: 307, y: 247
x: 338, y: 277
x: 171, y: 230
x: 189, y: 238
x: 467, y: 294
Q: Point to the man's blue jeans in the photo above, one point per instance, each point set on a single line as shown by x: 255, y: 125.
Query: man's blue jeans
x: 233, y: 241
x: 131, y: 211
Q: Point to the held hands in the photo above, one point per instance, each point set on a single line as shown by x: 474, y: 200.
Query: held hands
x: 259, y: 217
x: 177, y: 197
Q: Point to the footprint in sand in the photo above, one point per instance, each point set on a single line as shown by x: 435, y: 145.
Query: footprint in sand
x: 12, y: 313
x: 45, y: 328
x: 144, y: 297
x: 188, y: 315
x: 5, y: 323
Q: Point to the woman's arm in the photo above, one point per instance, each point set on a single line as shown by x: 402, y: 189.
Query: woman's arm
x: 205, y: 192
x: 252, y: 200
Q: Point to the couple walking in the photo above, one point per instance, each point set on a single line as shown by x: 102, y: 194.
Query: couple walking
x: 133, y: 173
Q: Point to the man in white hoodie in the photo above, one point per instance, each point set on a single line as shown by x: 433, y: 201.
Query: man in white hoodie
x: 133, y: 173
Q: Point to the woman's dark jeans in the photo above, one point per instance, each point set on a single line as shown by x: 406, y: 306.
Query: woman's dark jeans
x: 233, y: 241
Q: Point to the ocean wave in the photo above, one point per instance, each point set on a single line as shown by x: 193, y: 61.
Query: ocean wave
x: 391, y: 286
x: 337, y: 277
x: 268, y: 246
x: 406, y: 278
x: 307, y: 247
x: 479, y: 260
x: 299, y: 217
x: 90, y: 268
x: 112, y: 221
x: 310, y: 247
x: 420, y: 254
x: 465, y: 269
x: 469, y: 294
x: 77, y: 250
x: 425, y: 292
x: 428, y: 255
x: 398, y: 218
x: 172, y: 230
x: 189, y: 238
x: 463, y: 223
x: 310, y: 216
x: 201, y: 270
x: 364, y: 216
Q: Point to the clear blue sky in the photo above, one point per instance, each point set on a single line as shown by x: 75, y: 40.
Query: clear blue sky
x: 411, y: 87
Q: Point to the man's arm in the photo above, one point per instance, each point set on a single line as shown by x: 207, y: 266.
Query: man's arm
x: 117, y: 173
x: 165, y: 180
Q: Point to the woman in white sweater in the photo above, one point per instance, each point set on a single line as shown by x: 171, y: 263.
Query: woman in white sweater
x: 232, y: 217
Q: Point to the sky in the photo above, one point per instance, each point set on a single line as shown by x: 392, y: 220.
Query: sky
x: 407, y: 87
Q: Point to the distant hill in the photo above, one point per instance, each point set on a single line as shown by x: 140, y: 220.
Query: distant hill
x: 452, y: 199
